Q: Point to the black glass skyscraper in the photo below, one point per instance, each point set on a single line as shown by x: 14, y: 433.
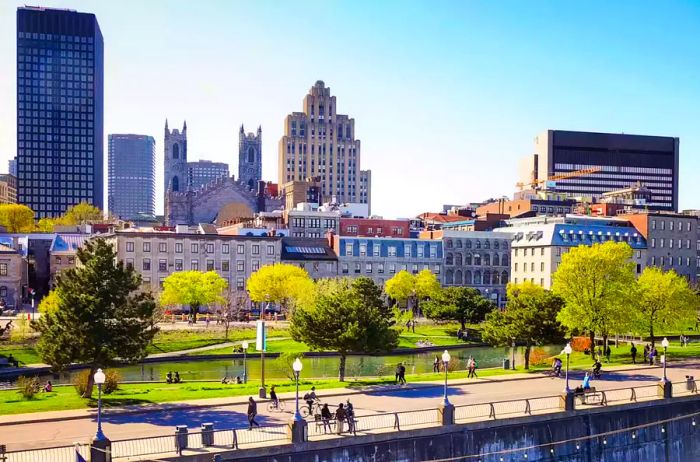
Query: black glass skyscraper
x: 59, y: 109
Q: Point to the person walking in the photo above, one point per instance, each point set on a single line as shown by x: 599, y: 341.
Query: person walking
x: 436, y: 364
x: 472, y: 369
x: 326, y: 417
x: 652, y: 355
x: 350, y: 416
x: 646, y: 353
x: 340, y: 417
x: 633, y: 352
x: 402, y: 374
x: 397, y: 373
x: 252, y: 412
x: 608, y: 352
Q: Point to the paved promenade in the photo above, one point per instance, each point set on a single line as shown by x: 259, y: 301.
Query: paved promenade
x: 28, y: 431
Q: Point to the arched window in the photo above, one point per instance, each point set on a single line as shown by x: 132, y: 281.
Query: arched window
x: 251, y: 155
x: 176, y: 151
x: 487, y: 277
x: 449, y: 260
x: 487, y: 244
x: 504, y: 277
x: 467, y: 277
x: 458, y: 277
x: 487, y: 259
x: 477, y: 277
x: 478, y: 244
x: 176, y: 184
x: 504, y: 260
x: 468, y: 259
x: 449, y: 243
x: 504, y: 246
x: 496, y: 278
x: 468, y: 244
x: 251, y: 184
x: 495, y: 245
x: 496, y: 260
x: 458, y: 259
x: 449, y: 277
x: 477, y: 260
x: 458, y: 244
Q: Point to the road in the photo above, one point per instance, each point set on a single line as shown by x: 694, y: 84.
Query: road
x: 163, y: 422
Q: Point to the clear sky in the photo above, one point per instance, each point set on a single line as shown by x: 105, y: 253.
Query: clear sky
x: 447, y: 96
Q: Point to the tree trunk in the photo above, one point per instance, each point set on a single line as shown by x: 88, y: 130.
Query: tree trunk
x: 341, y: 369
x: 527, y: 356
x: 651, y: 333
x: 463, y: 322
x: 591, y: 335
x: 226, y: 326
x: 193, y: 313
x: 90, y: 383
x: 605, y: 344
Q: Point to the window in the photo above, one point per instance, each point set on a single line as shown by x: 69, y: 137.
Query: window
x: 225, y: 266
x: 194, y: 265
x: 414, y: 268
x: 653, y: 242
x: 178, y: 265
x: 392, y: 250
x: 653, y: 261
x: 663, y: 225
x: 256, y: 249
x: 348, y: 250
x: 363, y: 250
x: 515, y: 267
x: 532, y: 266
x: 419, y: 251
x: 147, y: 264
x: 194, y: 248
x: 210, y: 265
x: 240, y: 266
x: 3, y: 269
x: 380, y: 267
x: 542, y: 282
x: 130, y: 263
x: 270, y: 249
x: 670, y: 243
x: 542, y: 251
x: 146, y: 246
x: 345, y: 268
x: 224, y: 248
x: 357, y: 268
x: 210, y: 247
x: 241, y: 249
x: 178, y: 247
x: 661, y: 241
x: 129, y: 246
x: 392, y: 268
x: 541, y: 266
x: 368, y: 267
x: 255, y: 265
x: 433, y: 251
x: 240, y: 284
x: 162, y: 247
x: 407, y: 250
x: 653, y: 224
x: 162, y: 265
x: 515, y: 252
x: 377, y: 249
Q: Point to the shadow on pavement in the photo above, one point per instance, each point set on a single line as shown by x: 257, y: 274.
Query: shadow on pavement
x: 193, y: 418
x: 435, y: 391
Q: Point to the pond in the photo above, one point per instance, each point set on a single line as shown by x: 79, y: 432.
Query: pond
x: 314, y: 367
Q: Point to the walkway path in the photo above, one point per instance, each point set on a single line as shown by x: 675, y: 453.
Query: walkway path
x: 66, y: 427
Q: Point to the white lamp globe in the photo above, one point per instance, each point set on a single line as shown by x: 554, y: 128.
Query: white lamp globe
x: 446, y: 357
x: 664, y: 342
x: 567, y: 349
x: 244, y: 345
x: 99, y: 377
x: 297, y: 366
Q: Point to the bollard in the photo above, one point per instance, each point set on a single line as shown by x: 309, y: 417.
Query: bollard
x: 207, y: 434
x: 298, y: 431
x: 447, y: 414
x: 101, y: 450
x: 180, y: 438
x: 665, y: 390
x: 567, y: 401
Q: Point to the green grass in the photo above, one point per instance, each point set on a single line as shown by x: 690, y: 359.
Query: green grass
x: 24, y: 354
x: 167, y: 341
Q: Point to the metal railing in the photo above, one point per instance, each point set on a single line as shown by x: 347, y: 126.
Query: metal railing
x: 511, y: 408
x: 58, y: 454
x: 393, y: 421
x: 685, y: 388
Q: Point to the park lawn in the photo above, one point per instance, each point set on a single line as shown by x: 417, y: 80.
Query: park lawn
x: 24, y: 354
x: 167, y: 341
x: 274, y: 345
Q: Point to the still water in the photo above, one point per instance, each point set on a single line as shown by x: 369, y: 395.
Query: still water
x: 316, y: 367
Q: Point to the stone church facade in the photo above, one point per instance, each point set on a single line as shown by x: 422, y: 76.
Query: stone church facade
x: 189, y: 206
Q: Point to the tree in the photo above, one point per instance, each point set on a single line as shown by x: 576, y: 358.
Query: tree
x: 597, y: 284
x: 663, y: 301
x: 530, y: 317
x: 339, y: 319
x: 461, y: 304
x: 230, y: 309
x: 82, y: 213
x: 16, y: 218
x: 406, y: 288
x: 193, y: 288
x: 102, y: 315
x: 50, y: 303
x: 46, y: 225
x: 282, y: 283
x: 400, y: 287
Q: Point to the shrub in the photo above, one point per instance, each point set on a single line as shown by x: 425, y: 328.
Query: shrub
x: 80, y: 381
x: 28, y: 386
x: 538, y: 357
x: 21, y: 331
x: 112, y: 379
x: 581, y: 344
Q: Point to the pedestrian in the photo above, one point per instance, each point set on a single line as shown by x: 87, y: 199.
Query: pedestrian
x: 472, y: 368
x: 326, y: 417
x: 436, y: 364
x: 633, y: 352
x: 350, y: 416
x: 310, y: 399
x: 397, y: 373
x: 413, y: 326
x: 586, y: 382
x: 252, y: 412
x: 608, y: 352
x: 402, y: 374
x: 652, y: 355
x: 340, y: 418
x: 646, y: 353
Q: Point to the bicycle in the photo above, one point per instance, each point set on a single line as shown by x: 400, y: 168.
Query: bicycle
x: 306, y: 411
x: 278, y: 407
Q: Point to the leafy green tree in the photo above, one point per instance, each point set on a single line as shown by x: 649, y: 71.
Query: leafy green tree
x: 49, y: 303
x: 82, y: 213
x: 400, y: 287
x: 16, y: 218
x: 663, y: 301
x: 281, y: 283
x: 410, y: 290
x: 597, y: 284
x: 530, y: 317
x: 193, y: 288
x: 101, y: 314
x: 461, y: 304
x: 340, y: 319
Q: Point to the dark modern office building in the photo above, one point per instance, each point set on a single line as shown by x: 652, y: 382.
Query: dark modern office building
x: 59, y: 109
x: 611, y: 162
x: 203, y: 172
x: 131, y: 175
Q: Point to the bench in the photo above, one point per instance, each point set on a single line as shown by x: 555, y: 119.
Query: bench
x: 320, y: 424
x: 590, y: 396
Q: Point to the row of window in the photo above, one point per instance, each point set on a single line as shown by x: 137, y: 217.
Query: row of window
x: 376, y: 250
x: 379, y: 230
x: 449, y: 243
x: 194, y: 248
x: 379, y: 267
x: 209, y: 265
x: 671, y: 225
x: 240, y: 282
x: 489, y: 277
x: 328, y: 223
x: 663, y: 261
x: 476, y: 260
x: 612, y: 168
x: 663, y: 242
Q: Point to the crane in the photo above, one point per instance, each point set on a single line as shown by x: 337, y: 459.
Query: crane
x: 535, y: 184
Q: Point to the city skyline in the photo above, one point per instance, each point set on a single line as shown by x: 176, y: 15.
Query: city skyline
x: 463, y: 89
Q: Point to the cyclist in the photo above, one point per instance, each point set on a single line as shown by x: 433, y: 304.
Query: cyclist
x: 273, y: 397
x: 310, y: 399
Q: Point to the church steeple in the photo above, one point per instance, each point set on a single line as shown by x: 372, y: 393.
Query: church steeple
x: 166, y: 125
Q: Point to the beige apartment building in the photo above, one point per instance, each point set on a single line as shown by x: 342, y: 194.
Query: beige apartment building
x: 320, y: 143
x: 157, y: 254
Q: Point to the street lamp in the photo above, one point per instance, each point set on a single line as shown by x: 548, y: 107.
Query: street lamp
x: 567, y: 350
x: 512, y: 353
x: 445, y: 362
x: 664, y: 343
x: 244, y: 345
x: 297, y: 367
x: 99, y: 380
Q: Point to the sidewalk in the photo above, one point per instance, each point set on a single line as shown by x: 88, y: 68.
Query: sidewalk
x: 51, y: 416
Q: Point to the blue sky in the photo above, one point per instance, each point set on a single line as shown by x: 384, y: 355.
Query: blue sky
x: 447, y: 96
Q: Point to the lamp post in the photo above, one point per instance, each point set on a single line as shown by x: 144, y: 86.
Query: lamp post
x: 244, y: 345
x: 512, y: 353
x: 99, y: 380
x: 297, y: 367
x: 567, y: 350
x: 445, y: 363
x: 664, y: 343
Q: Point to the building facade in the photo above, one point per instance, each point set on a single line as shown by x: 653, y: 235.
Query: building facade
x: 538, y: 244
x: 374, y: 227
x: 155, y: 255
x: 64, y: 253
x: 381, y: 258
x: 175, y: 159
x: 8, y: 189
x: 315, y: 256
x: 366, y: 189
x: 59, y: 109
x: 319, y: 142
x: 131, y: 190
x: 620, y: 161
x: 203, y: 172
x: 13, y: 277
x: 250, y: 158
x: 304, y: 222
x: 12, y: 166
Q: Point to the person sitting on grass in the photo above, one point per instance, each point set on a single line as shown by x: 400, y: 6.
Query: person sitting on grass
x: 177, y: 377
x: 48, y: 387
x: 169, y: 377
